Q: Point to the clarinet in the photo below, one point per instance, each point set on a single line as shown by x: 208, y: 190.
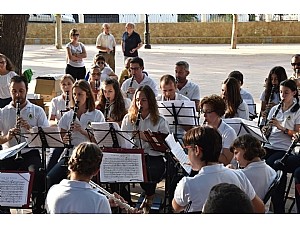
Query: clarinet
x: 264, y: 120
x: 131, y: 82
x: 268, y: 128
x: 280, y: 163
x: 106, y: 110
x: 67, y: 100
x: 18, y: 126
x: 138, y: 119
x: 97, y: 84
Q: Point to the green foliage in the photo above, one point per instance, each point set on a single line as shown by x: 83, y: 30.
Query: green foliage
x: 187, y: 17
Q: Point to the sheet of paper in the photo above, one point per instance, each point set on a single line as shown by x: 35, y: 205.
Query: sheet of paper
x: 178, y: 152
x: 9, y: 152
x: 14, y: 189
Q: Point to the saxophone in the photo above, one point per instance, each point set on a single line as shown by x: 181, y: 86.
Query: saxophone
x: 268, y: 126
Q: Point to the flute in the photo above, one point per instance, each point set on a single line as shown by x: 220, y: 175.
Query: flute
x: 111, y: 196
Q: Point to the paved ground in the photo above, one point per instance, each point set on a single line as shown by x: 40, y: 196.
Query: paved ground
x: 209, y: 64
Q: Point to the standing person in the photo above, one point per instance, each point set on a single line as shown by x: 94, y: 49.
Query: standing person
x: 281, y: 128
x: 6, y: 73
x: 204, y: 145
x: 149, y: 119
x: 76, y: 123
x: 76, y: 52
x: 185, y: 87
x: 106, y: 44
x: 295, y: 63
x: 235, y: 105
x: 30, y: 116
x: 139, y: 78
x: 131, y: 42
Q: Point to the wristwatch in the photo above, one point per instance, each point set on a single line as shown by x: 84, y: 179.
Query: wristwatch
x: 286, y: 131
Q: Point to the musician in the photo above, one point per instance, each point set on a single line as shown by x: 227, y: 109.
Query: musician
x: 30, y: 115
x: 75, y: 194
x: 95, y: 80
x: 204, y: 145
x: 283, y: 126
x: 268, y: 99
x: 112, y: 97
x: 248, y: 152
x: 139, y: 78
x: 77, y: 124
x: 213, y: 107
x: 235, y: 105
x: 144, y: 98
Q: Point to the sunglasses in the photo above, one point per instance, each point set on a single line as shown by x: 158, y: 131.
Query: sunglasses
x: 295, y: 64
x: 75, y: 34
x: 100, y: 63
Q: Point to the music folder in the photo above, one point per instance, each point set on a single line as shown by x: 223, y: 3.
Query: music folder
x: 156, y: 140
x: 9, y: 152
x: 15, y: 188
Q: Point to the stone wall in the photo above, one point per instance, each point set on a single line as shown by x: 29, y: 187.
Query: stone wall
x: 176, y: 33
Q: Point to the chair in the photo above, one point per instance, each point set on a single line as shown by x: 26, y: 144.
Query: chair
x: 288, y: 196
x: 273, y: 186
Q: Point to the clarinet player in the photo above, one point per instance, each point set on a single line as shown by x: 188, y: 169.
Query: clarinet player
x: 282, y: 126
x: 30, y: 159
x: 142, y: 115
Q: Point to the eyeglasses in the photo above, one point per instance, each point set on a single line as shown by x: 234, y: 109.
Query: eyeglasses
x: 75, y: 34
x: 134, y: 68
x: 295, y: 64
x: 206, y: 112
x: 100, y: 63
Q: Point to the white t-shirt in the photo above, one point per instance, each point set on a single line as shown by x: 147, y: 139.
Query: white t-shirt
x: 106, y: 40
x: 243, y: 111
x: 276, y: 97
x: 75, y: 50
x: 4, y: 84
x: 75, y: 197
x: 196, y: 189
x: 190, y: 90
x: 58, y: 104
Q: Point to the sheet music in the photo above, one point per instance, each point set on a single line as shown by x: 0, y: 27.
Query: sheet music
x: 14, y: 189
x: 103, y: 137
x: 186, y: 115
x: 178, y: 152
x: 9, y: 152
x: 52, y: 136
x: 121, y: 167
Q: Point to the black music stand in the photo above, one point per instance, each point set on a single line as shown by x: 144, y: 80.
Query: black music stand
x: 179, y: 112
x: 44, y: 137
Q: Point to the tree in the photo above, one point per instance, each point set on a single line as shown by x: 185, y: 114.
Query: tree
x: 13, y: 29
x: 234, y: 31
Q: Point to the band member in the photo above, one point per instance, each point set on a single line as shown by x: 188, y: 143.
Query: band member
x: 143, y: 115
x: 248, y: 152
x: 204, y: 145
x: 73, y: 125
x: 12, y: 128
x: 111, y: 101
x: 75, y: 194
x: 283, y: 122
x: 95, y: 80
x: 213, y: 107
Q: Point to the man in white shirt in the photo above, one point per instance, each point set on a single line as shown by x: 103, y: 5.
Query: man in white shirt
x: 106, y: 44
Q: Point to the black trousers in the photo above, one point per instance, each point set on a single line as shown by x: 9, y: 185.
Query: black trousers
x: 76, y: 72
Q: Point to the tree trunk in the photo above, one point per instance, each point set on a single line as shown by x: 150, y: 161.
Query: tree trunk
x: 234, y: 31
x: 58, y: 32
x: 13, y: 28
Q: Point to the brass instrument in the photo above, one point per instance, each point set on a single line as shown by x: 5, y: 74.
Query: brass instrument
x: 267, y: 110
x: 126, y: 206
x: 268, y: 126
x: 107, y: 107
x: 18, y: 126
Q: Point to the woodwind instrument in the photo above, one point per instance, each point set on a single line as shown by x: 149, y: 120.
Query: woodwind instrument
x: 107, y: 107
x: 267, y: 110
x: 131, y: 82
x: 111, y: 196
x: 97, y: 84
x: 67, y: 102
x: 138, y: 119
x: 18, y: 126
x: 268, y: 126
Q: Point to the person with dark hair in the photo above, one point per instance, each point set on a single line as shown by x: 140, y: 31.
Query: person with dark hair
x: 139, y: 78
x: 204, y: 145
x: 295, y: 63
x: 213, y: 108
x: 184, y: 86
x: 283, y: 123
x: 143, y: 115
x: 6, y: 73
x: 248, y: 152
x: 12, y: 128
x: 227, y: 198
x: 235, y: 105
x: 75, y: 52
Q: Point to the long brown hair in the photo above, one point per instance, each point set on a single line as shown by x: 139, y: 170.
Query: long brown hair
x: 9, y: 65
x: 153, y: 108
x: 85, y: 86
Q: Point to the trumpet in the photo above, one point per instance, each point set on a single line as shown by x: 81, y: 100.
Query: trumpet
x: 18, y: 126
x: 107, y: 107
x: 121, y: 204
x: 267, y: 110
x: 268, y: 126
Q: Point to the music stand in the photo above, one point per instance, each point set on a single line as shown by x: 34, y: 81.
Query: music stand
x: 16, y: 188
x: 179, y: 112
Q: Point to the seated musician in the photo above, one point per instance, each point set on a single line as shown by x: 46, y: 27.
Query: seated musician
x: 76, y: 123
x: 95, y: 80
x: 75, y: 194
x: 143, y: 115
x: 204, y: 145
x: 30, y: 115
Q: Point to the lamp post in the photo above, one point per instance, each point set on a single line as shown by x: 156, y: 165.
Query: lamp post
x: 147, y: 33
